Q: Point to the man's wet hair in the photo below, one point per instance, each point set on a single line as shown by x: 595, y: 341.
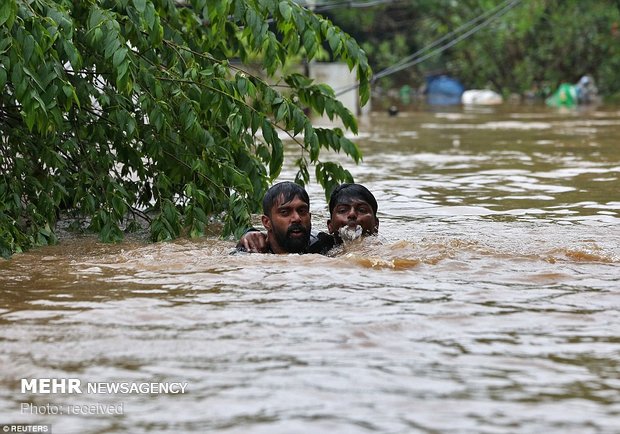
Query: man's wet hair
x: 352, y: 191
x: 288, y: 190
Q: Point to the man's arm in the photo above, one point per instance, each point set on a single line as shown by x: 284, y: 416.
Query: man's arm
x: 253, y: 241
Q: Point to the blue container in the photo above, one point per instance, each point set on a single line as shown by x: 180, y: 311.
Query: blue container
x: 443, y: 90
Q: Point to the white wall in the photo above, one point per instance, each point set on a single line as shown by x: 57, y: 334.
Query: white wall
x: 338, y: 76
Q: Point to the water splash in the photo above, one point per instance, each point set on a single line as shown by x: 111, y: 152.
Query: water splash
x: 348, y: 234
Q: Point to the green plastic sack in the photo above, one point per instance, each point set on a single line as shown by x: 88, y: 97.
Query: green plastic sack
x: 565, y: 96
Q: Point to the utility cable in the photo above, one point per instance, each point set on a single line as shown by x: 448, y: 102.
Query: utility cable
x: 397, y: 66
x: 417, y: 57
x: 351, y: 4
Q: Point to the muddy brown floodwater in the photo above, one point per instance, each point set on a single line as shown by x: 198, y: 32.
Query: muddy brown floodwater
x: 489, y: 302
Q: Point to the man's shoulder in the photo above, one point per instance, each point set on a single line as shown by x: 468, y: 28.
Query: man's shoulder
x: 320, y: 242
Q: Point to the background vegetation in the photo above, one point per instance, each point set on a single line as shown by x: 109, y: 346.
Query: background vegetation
x: 534, y: 47
x: 115, y: 112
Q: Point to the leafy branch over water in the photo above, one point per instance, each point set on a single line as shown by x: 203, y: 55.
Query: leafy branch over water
x: 121, y: 110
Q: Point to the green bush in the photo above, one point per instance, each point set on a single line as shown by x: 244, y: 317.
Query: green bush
x: 117, y: 111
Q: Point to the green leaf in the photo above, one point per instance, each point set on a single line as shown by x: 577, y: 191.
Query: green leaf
x: 282, y: 112
x: 277, y: 158
x: 140, y: 5
x: 351, y: 149
x: 119, y: 56
x: 6, y: 11
x: 3, y: 77
x: 149, y: 16
x: 96, y: 18
x: 256, y: 122
x: 268, y: 132
x: 28, y: 48
x: 242, y: 84
x: 240, y: 9
x: 285, y: 10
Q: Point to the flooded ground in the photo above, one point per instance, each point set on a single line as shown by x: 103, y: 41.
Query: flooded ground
x: 489, y: 303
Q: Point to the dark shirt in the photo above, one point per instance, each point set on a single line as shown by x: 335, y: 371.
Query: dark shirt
x: 320, y: 243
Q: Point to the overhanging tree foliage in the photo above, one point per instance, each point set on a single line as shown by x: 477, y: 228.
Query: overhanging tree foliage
x: 120, y: 110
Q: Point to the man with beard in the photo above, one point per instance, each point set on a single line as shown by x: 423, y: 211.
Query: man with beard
x: 353, y: 213
x: 287, y: 219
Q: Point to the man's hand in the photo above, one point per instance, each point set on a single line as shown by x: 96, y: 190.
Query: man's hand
x: 253, y: 242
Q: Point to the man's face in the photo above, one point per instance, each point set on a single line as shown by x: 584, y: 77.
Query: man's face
x: 288, y: 228
x: 353, y: 212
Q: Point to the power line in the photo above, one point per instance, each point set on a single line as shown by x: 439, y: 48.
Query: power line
x: 419, y: 56
x: 321, y: 7
x: 406, y: 62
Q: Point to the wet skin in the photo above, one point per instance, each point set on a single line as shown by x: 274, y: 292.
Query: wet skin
x: 351, y: 213
x: 288, y: 226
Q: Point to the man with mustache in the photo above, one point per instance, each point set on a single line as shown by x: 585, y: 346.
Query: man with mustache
x: 287, y: 219
x: 353, y: 212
